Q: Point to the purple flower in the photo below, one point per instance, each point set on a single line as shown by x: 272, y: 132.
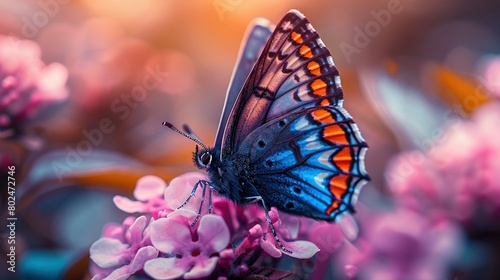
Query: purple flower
x: 26, y: 83
x: 181, y: 187
x: 149, y: 192
x: 460, y: 176
x: 301, y: 249
x: 327, y: 236
x: 402, y: 245
x: 187, y: 254
x: 118, y: 258
x: 119, y: 231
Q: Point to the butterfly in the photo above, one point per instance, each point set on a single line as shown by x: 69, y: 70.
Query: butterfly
x: 284, y: 139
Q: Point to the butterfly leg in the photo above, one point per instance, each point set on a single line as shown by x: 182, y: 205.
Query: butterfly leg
x: 254, y: 199
x: 204, y: 186
x: 210, y: 207
x: 193, y: 192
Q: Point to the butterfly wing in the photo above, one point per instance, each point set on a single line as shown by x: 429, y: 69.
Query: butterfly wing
x: 278, y: 71
x: 309, y: 162
x: 305, y: 153
x: 256, y: 36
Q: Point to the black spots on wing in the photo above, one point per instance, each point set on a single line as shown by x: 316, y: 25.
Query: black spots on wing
x: 297, y: 190
x: 285, y: 68
x: 282, y: 123
x: 261, y: 143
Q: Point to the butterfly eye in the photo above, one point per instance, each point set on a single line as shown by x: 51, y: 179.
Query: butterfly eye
x: 206, y: 158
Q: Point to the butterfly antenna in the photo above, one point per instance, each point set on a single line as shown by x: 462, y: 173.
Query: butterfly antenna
x: 190, y: 132
x: 191, y: 135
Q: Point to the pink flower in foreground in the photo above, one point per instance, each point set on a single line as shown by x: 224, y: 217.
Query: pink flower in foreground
x: 301, y: 249
x: 199, y: 250
x: 149, y: 192
x: 181, y: 187
x: 188, y: 254
x: 119, y: 231
x: 118, y: 258
x: 402, y: 245
x: 460, y: 177
x: 26, y: 83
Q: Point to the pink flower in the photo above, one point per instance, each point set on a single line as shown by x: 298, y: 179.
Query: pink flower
x: 26, y: 83
x: 402, y: 245
x: 460, y: 177
x: 327, y: 236
x: 149, y: 192
x: 119, y: 231
x: 188, y: 254
x: 118, y: 258
x: 301, y: 249
x: 181, y: 187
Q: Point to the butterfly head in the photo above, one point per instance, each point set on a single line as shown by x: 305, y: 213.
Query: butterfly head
x: 203, y: 158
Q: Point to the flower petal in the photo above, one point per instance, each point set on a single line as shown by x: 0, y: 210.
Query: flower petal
x: 202, y: 268
x: 184, y: 216
x: 301, y: 249
x: 170, y: 236
x: 180, y: 188
x: 213, y: 233
x: 270, y: 247
x: 164, y: 268
x: 117, y: 231
x: 129, y: 206
x: 136, y: 230
x: 326, y: 236
x: 108, y: 252
x: 290, y: 226
x: 149, y: 187
x: 121, y: 273
x: 143, y: 255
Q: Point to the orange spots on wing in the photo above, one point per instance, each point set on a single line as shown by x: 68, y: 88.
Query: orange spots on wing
x: 313, y: 68
x: 305, y: 51
x: 297, y: 38
x: 319, y: 87
x: 325, y: 102
x: 343, y: 159
x: 335, y: 205
x: 323, y: 116
x: 338, y: 185
x: 335, y: 134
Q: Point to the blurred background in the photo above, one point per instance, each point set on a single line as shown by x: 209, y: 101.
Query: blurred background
x: 87, y: 83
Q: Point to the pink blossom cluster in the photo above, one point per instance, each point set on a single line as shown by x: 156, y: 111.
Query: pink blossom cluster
x: 163, y: 243
x: 459, y: 178
x: 442, y: 200
x: 26, y: 83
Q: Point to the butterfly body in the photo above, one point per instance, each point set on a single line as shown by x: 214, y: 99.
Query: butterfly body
x: 286, y: 139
